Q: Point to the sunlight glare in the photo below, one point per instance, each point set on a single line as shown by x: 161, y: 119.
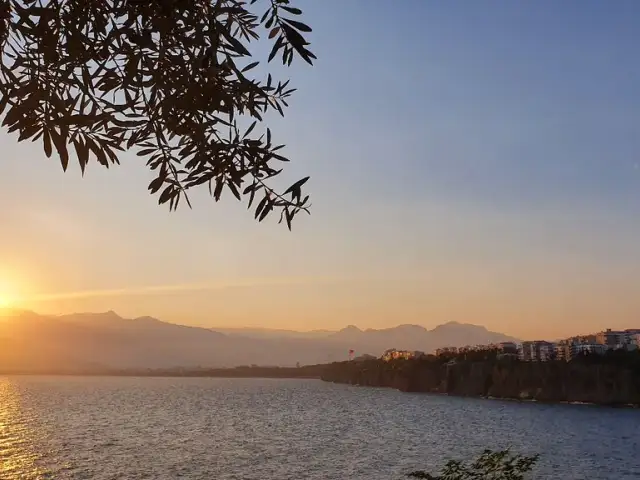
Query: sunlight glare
x: 7, y: 297
x: 9, y: 290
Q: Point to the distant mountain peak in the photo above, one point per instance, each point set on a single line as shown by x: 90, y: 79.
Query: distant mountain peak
x: 351, y: 328
x: 409, y: 326
x: 454, y: 324
x: 147, y: 319
x: 105, y: 318
x: 348, y: 333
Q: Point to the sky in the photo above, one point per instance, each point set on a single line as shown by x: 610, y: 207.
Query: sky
x: 470, y: 161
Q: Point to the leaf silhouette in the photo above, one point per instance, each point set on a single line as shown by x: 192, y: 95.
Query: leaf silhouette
x: 174, y: 81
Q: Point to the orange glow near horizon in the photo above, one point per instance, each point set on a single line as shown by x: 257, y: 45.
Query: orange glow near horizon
x: 308, y: 294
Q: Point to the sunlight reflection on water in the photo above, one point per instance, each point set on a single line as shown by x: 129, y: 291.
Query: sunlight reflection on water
x: 17, y: 455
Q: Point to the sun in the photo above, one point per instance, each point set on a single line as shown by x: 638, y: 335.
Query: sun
x: 8, y: 299
x: 5, y: 301
x: 9, y: 290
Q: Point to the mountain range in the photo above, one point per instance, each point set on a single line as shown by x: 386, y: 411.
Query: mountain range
x: 29, y: 341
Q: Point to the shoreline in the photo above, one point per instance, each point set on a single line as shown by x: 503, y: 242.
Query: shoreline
x: 133, y: 375
x: 589, y: 381
x: 303, y: 372
x: 231, y: 374
x: 158, y: 375
x: 630, y: 406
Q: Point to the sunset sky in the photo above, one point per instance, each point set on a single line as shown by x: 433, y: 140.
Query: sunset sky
x: 469, y: 161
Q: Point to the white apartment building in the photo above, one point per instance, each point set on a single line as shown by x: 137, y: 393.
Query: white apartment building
x: 537, y: 351
x: 613, y: 339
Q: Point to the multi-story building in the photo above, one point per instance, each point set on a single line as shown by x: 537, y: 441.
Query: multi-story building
x: 633, y: 335
x: 546, y: 351
x: 537, y: 351
x: 563, y: 351
x: 574, y: 346
x: 613, y: 339
x: 577, y: 349
x: 599, y: 343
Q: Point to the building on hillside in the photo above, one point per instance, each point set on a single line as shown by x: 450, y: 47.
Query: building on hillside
x: 599, y: 343
x: 632, y: 336
x: 580, y: 344
x: 578, y: 349
x: 613, y: 339
x: 563, y: 350
x: 393, y: 354
x: 546, y: 351
x: 526, y: 351
x: 537, y: 351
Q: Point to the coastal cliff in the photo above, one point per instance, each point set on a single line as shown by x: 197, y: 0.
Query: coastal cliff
x: 599, y: 382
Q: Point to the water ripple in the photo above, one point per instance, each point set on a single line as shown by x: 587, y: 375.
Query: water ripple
x: 155, y: 428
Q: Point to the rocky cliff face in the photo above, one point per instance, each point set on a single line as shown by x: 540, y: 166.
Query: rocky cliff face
x: 605, y: 384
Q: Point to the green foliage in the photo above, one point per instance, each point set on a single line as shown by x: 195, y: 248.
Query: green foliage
x: 491, y: 465
x: 172, y: 80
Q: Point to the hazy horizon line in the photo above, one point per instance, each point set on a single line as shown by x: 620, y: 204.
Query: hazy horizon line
x: 216, y: 285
